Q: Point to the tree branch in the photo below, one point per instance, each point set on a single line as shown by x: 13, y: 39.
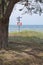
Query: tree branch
x: 10, y: 7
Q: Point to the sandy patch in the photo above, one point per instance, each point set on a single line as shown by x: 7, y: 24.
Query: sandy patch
x: 40, y: 54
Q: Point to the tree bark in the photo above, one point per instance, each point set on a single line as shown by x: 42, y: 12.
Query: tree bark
x: 4, y: 33
x: 4, y: 22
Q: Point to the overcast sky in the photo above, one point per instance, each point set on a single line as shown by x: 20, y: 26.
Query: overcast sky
x: 26, y: 19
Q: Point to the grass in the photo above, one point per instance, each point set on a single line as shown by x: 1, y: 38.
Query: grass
x: 36, y: 38
x: 24, y: 48
x: 27, y: 34
x: 15, y: 58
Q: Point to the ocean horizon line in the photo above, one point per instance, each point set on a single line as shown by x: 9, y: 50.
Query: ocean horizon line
x: 15, y: 24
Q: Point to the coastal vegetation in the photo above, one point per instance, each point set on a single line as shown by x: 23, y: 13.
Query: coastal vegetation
x: 26, y: 36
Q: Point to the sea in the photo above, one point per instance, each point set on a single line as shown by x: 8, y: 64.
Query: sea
x: 14, y: 28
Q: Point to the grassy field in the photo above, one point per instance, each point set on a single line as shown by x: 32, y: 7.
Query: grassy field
x: 27, y: 37
x: 27, y: 34
x: 24, y: 48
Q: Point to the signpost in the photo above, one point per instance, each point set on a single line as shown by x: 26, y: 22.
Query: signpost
x: 19, y: 24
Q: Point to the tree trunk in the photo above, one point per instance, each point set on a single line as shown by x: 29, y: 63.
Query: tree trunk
x: 4, y: 22
x: 4, y: 33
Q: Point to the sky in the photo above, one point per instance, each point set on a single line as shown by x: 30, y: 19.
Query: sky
x: 26, y: 19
